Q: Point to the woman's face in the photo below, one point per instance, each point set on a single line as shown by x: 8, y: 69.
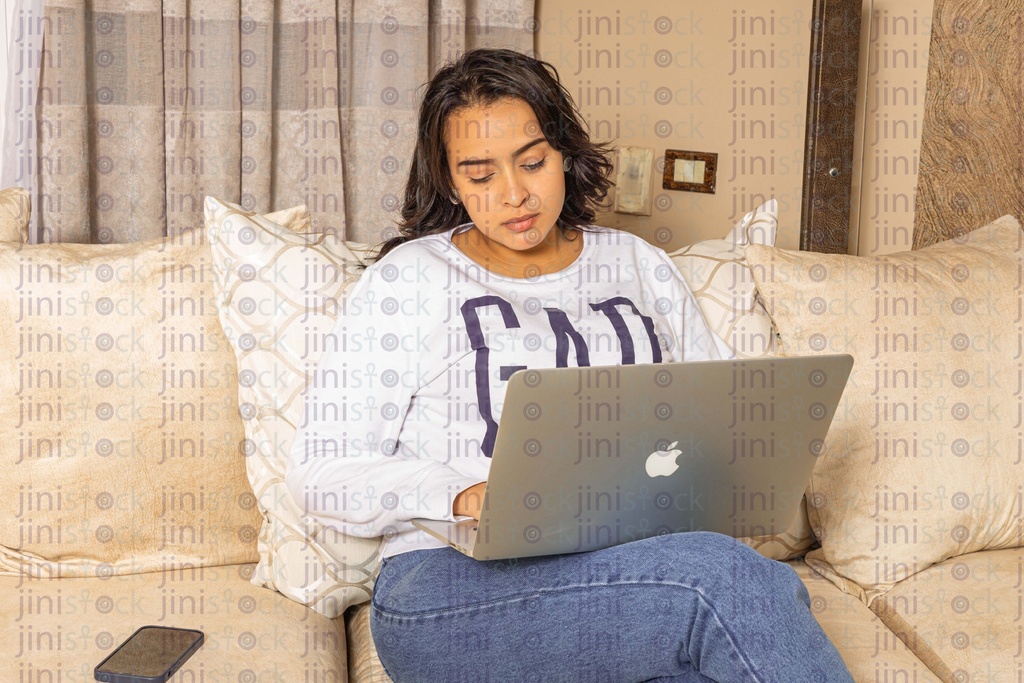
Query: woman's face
x: 506, y: 174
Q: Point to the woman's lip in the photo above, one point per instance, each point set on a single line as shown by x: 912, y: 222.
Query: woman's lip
x: 521, y: 225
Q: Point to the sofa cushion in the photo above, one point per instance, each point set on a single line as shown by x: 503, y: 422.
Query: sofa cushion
x: 364, y: 664
x: 15, y: 209
x: 870, y: 650
x: 719, y: 276
x: 121, y: 449
x: 718, y: 273
x: 279, y: 295
x: 963, y: 616
x: 58, y: 630
x: 920, y: 461
x: 790, y: 544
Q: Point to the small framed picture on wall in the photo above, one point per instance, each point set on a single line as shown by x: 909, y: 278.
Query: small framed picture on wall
x: 690, y: 171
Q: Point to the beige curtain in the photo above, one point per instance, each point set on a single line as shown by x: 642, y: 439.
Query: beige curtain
x: 146, y: 106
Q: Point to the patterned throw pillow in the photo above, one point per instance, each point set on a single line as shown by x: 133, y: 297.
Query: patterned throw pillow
x: 15, y: 209
x: 922, y: 462
x: 720, y: 278
x: 718, y: 273
x: 279, y: 294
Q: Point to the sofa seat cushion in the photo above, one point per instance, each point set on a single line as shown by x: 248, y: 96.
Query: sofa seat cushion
x: 363, y: 663
x: 963, y: 616
x: 871, y: 651
x: 68, y: 626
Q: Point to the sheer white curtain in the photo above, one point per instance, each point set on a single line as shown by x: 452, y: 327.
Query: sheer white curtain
x: 24, y: 42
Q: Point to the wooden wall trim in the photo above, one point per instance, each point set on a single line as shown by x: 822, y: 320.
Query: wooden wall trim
x: 831, y: 121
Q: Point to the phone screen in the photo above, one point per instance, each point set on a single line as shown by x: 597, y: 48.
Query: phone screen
x: 150, y: 651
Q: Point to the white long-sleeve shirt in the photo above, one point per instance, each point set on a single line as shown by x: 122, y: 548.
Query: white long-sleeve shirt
x: 402, y: 410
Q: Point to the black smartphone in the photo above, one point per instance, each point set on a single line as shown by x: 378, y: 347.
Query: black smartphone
x: 150, y: 655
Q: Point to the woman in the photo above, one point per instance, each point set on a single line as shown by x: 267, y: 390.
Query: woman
x: 497, y: 267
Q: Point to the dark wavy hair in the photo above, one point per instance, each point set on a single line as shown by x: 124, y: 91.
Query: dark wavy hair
x: 483, y: 77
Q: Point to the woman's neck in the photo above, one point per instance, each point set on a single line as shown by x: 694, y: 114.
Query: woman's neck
x: 555, y: 253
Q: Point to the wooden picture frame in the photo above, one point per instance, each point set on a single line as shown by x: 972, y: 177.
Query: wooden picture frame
x: 704, y: 166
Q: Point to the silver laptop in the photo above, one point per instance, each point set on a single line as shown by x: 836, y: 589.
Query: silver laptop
x: 587, y: 458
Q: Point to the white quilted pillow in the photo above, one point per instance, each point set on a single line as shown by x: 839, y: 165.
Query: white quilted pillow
x: 279, y: 295
x: 720, y: 278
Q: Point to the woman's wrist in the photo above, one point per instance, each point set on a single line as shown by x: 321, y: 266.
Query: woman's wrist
x: 469, y: 501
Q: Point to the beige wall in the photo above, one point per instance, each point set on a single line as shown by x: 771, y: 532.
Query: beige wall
x: 894, y: 70
x: 683, y: 75
x: 734, y: 82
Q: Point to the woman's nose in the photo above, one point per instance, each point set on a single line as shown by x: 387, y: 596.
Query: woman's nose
x: 515, y: 189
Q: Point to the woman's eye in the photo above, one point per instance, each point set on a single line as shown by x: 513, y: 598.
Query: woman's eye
x: 529, y: 167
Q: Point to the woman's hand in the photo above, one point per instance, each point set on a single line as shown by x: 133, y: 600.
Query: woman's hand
x: 470, y: 501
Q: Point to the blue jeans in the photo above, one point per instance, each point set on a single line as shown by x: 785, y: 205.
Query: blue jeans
x: 680, y: 607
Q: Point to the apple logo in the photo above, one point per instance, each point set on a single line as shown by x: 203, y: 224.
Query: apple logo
x: 663, y: 463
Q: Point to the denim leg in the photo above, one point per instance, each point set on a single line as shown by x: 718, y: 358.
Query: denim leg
x: 680, y: 607
x: 689, y: 675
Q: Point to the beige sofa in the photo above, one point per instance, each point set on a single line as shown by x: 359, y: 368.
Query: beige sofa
x: 133, y: 444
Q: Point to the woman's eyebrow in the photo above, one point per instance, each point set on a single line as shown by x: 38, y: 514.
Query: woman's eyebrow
x: 475, y: 162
